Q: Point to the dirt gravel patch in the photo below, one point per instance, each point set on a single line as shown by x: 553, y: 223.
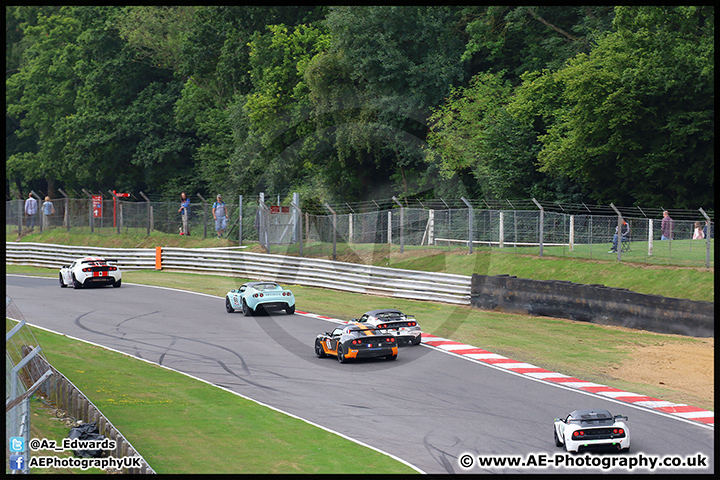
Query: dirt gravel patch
x: 682, y: 366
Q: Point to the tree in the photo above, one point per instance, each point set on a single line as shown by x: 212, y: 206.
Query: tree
x: 472, y: 134
x: 633, y: 120
x: 373, y: 89
x: 518, y: 39
x: 276, y: 115
x: 40, y: 92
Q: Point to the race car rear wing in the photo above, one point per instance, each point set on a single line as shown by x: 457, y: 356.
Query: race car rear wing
x: 396, y: 324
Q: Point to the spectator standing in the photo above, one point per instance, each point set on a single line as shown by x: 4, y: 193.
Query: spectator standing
x: 220, y: 214
x: 666, y: 227
x: 698, y: 233
x: 184, y: 214
x: 31, y: 208
x: 47, y: 209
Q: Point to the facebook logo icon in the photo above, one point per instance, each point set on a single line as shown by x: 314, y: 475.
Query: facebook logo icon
x: 17, y: 462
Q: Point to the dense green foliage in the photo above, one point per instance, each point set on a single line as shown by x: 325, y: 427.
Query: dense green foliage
x: 351, y: 103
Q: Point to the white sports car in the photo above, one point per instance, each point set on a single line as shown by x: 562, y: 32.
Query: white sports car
x: 591, y: 428
x: 90, y: 271
x: 390, y: 321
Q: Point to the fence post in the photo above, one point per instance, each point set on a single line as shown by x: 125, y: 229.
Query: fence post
x: 619, y: 233
x: 66, y: 220
x: 402, y: 224
x: 334, y: 215
x: 240, y: 232
x: 298, y: 225
x: 542, y: 224
x: 470, y: 224
x: 148, y: 211
x: 389, y: 241
x: 119, y: 207
x: 92, y: 217
x: 501, y: 230
x: 264, y: 230
x: 38, y: 213
x: 21, y: 212
x: 431, y: 227
x: 204, y: 204
x: 571, y: 239
x: 708, y: 234
x: 650, y: 237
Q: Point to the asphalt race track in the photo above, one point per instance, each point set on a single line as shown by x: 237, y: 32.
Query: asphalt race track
x: 427, y: 407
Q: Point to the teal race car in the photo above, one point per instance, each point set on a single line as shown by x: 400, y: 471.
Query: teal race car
x: 255, y: 296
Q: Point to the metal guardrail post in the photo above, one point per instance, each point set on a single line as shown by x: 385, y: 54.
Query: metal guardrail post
x: 542, y: 224
x: 470, y: 223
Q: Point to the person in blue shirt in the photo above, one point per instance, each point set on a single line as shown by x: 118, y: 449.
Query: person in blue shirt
x: 47, y: 209
x: 184, y: 214
x: 220, y: 214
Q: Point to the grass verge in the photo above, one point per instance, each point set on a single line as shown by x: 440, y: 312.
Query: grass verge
x: 183, y: 425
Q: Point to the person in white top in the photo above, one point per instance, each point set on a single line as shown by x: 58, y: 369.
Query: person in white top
x: 31, y: 207
x: 698, y: 233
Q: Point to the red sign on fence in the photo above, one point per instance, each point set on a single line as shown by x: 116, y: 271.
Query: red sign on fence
x: 97, y: 206
x: 279, y: 209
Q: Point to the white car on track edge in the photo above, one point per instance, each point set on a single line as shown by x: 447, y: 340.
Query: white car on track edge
x: 585, y: 429
x: 88, y: 271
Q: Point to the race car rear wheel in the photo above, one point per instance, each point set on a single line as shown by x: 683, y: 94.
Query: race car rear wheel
x: 117, y: 284
x: 62, y: 284
x: 76, y: 284
x: 319, y: 350
x: 340, y: 355
x: 558, y: 443
x: 228, y: 306
x: 290, y: 310
x: 247, y: 311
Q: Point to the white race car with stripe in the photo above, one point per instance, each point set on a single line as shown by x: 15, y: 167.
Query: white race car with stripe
x: 88, y: 271
x: 393, y: 322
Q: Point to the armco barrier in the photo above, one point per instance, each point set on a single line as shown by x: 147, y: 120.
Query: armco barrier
x: 66, y: 396
x: 593, y: 303
x: 347, y: 277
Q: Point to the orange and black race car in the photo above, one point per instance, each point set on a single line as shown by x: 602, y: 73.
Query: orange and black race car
x: 355, y: 340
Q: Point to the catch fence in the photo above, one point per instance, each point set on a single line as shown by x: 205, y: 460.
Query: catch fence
x: 377, y: 228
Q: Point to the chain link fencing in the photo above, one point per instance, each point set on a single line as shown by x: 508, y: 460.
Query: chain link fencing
x: 518, y: 226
